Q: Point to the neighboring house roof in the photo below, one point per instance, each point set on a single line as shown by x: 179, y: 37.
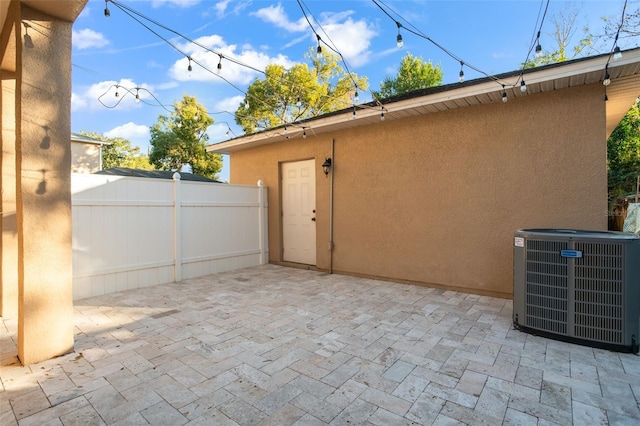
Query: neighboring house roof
x: 86, y: 139
x: 154, y: 174
x: 621, y: 93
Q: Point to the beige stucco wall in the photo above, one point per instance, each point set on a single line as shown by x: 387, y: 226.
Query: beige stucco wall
x: 435, y: 199
x: 85, y: 157
x: 36, y: 122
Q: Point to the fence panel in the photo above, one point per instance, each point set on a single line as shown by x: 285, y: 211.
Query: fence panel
x: 133, y: 232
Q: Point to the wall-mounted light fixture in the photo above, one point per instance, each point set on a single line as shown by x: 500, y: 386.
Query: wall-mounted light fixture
x: 326, y: 166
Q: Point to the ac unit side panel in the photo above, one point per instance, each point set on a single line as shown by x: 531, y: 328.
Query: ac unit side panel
x: 599, y: 292
x: 546, y: 286
x: 632, y: 292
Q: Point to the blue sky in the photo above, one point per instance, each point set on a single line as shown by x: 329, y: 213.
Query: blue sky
x: 493, y: 36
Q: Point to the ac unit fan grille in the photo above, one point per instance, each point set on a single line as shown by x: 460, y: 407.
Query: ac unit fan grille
x: 546, y: 286
x: 598, y: 292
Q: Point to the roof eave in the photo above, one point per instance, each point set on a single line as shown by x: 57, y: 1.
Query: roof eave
x: 480, y: 91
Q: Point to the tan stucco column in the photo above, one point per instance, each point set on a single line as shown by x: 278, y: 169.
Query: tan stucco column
x: 9, y: 232
x: 9, y: 242
x: 43, y: 164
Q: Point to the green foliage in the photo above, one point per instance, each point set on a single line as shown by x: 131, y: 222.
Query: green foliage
x: 181, y: 139
x: 120, y: 153
x: 623, y: 154
x: 285, y: 96
x: 414, y: 73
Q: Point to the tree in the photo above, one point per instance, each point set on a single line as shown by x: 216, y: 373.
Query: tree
x: 414, y: 73
x: 285, y: 96
x: 120, y: 153
x: 565, y: 30
x: 630, y: 26
x: 623, y: 154
x: 181, y: 138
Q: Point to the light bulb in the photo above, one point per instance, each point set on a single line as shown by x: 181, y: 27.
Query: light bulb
x: 285, y: 129
x: 505, y: 98
x: 219, y: 65
x: 617, y: 54
x: 461, y: 76
x: 117, y: 94
x: 353, y: 116
x: 137, y: 97
x: 607, y: 80
x: 523, y: 86
x: 319, y: 49
x: 299, y: 102
x: 304, y: 134
x: 107, y: 13
x: 399, y: 42
x: 189, y: 68
x: 538, y: 51
x: 382, y: 116
x: 356, y: 98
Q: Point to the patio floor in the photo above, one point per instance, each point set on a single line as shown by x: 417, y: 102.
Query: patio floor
x: 281, y: 346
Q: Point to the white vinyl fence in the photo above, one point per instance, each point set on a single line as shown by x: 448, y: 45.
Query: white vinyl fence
x: 131, y: 232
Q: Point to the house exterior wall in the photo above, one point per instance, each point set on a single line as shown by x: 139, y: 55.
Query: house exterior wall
x: 436, y: 198
x: 85, y: 157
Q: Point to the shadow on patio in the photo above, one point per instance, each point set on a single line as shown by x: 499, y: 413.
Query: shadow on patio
x: 275, y: 345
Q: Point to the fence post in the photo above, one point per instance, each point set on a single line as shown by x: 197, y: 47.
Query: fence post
x: 261, y: 221
x: 177, y: 229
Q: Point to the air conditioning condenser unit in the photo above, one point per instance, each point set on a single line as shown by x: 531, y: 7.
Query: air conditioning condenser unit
x: 578, y: 286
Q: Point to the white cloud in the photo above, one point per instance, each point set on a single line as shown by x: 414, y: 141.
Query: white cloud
x: 349, y: 37
x: 87, y: 38
x: 229, y: 105
x: 277, y: 16
x: 205, y: 63
x: 77, y: 102
x: 130, y: 131
x: 103, y: 95
x: 221, y: 7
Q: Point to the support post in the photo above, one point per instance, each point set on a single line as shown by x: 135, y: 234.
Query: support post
x: 177, y: 228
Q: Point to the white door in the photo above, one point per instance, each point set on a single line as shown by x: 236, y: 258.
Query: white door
x: 299, y: 212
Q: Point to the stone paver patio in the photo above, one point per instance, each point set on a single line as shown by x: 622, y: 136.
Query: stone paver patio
x: 279, y: 346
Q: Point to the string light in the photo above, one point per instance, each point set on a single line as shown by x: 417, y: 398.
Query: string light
x: 353, y: 116
x: 617, y: 53
x: 523, y: 86
x: 399, y: 42
x: 356, y: 98
x: 304, y: 133
x: 137, y: 95
x: 117, y: 94
x: 382, y: 114
x: 285, y: 129
x: 319, y: 49
x: 219, y: 65
x: 461, y: 72
x: 107, y: 13
x: 505, y: 98
x: 538, y: 47
x: 189, y: 68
